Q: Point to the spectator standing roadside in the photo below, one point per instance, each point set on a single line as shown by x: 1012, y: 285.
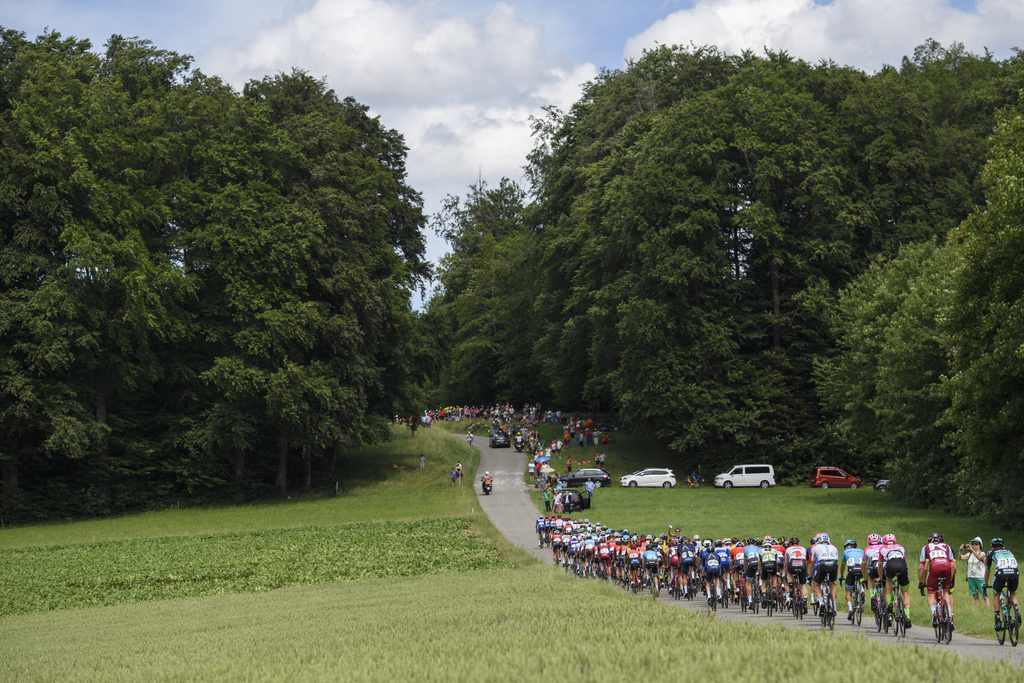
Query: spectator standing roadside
x: 547, y: 500
x: 458, y: 472
x: 423, y: 462
x: 590, y: 489
x: 568, y: 465
x: 453, y: 476
x: 975, y: 571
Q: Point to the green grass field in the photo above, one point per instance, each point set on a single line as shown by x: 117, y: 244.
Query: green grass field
x: 477, y: 626
x: 271, y: 599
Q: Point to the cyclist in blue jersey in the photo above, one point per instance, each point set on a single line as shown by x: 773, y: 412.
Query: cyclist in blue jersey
x: 853, y: 558
x: 751, y: 557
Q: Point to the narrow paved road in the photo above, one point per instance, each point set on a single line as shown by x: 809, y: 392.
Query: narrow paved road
x: 514, y: 514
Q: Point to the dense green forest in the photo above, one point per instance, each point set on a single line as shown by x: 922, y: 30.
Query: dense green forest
x: 203, y: 290
x: 762, y: 259
x: 206, y: 292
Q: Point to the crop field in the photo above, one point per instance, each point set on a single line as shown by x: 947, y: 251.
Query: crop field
x: 369, y: 586
x: 477, y: 626
x: 119, y: 572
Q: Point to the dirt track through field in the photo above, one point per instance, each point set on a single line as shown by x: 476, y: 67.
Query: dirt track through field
x: 512, y: 511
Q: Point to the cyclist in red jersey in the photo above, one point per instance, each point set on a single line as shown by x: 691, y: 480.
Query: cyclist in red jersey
x: 937, y: 561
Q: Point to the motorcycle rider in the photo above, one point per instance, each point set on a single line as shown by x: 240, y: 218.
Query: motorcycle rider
x: 486, y: 479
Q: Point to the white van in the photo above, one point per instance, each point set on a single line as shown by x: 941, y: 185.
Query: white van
x: 747, y: 475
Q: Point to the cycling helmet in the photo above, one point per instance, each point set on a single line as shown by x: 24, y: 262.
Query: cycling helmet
x: 766, y: 544
x: 997, y: 543
x: 750, y: 540
x: 874, y: 539
x: 487, y: 473
x: 850, y: 544
x: 769, y: 540
x: 889, y: 539
x: 739, y: 544
x: 935, y: 538
x: 735, y: 540
x: 718, y: 544
x: 824, y: 539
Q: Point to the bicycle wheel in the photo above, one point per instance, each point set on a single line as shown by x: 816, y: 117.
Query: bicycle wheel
x: 858, y: 607
x: 899, y: 625
x: 948, y: 623
x: 940, y: 623
x: 887, y: 617
x: 1014, y: 628
x: 1001, y: 633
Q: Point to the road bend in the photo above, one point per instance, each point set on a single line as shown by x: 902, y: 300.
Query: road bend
x: 512, y: 511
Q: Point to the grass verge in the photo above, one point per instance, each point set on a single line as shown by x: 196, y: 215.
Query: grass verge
x: 467, y: 627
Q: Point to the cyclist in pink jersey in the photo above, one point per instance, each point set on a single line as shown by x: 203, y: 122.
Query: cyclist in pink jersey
x: 893, y: 558
x: 869, y: 567
x: 937, y: 561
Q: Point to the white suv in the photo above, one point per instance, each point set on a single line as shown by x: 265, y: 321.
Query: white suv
x: 652, y: 476
x: 747, y: 475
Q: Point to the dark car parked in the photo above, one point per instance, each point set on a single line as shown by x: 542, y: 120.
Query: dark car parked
x: 572, y: 501
x: 500, y: 440
x: 581, y: 477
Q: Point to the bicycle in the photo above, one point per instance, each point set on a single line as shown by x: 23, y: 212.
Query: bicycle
x: 858, y: 603
x: 1009, y: 615
x: 770, y: 602
x: 876, y: 607
x: 743, y: 595
x: 798, y: 600
x: 943, y: 619
x: 756, y: 604
x: 827, y: 611
x: 898, y: 615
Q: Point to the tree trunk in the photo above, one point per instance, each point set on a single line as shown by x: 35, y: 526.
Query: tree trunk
x: 776, y: 302
x: 103, y: 461
x: 282, y: 466
x: 10, y: 472
x: 240, y: 471
x: 307, y: 454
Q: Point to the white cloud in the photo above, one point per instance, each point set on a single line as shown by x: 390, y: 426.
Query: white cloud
x: 861, y: 33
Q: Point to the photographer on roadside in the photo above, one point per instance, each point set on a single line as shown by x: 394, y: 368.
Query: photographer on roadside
x: 975, y: 570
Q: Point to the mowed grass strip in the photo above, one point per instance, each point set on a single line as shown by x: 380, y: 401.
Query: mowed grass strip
x: 384, y: 483
x: 479, y: 626
x: 119, y: 572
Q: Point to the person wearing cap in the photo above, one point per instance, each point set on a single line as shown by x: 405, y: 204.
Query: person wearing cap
x: 975, y: 570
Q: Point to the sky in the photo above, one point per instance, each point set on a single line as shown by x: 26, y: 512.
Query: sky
x: 460, y: 79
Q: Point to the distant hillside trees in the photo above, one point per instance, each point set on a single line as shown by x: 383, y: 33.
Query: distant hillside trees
x: 692, y: 223
x: 197, y: 283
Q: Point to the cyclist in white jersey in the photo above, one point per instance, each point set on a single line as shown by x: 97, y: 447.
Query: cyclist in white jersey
x: 825, y: 566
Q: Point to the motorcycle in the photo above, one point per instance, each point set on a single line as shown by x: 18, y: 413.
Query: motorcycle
x: 486, y: 485
x: 519, y: 444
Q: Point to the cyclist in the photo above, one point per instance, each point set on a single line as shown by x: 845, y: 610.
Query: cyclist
x: 541, y: 525
x: 751, y: 562
x: 687, y: 562
x: 724, y: 564
x: 635, y: 561
x: 652, y: 563
x: 796, y: 567
x: 712, y: 563
x: 1006, y: 575
x: 893, y: 558
x: 767, y: 566
x: 937, y: 562
x: 825, y: 566
x: 853, y: 559
x: 736, y: 562
x: 869, y: 567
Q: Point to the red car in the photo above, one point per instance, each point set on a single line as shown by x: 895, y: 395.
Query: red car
x: 833, y: 476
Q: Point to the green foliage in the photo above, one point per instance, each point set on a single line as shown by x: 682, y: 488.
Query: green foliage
x: 121, y: 572
x: 195, y: 280
x: 985, y: 324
